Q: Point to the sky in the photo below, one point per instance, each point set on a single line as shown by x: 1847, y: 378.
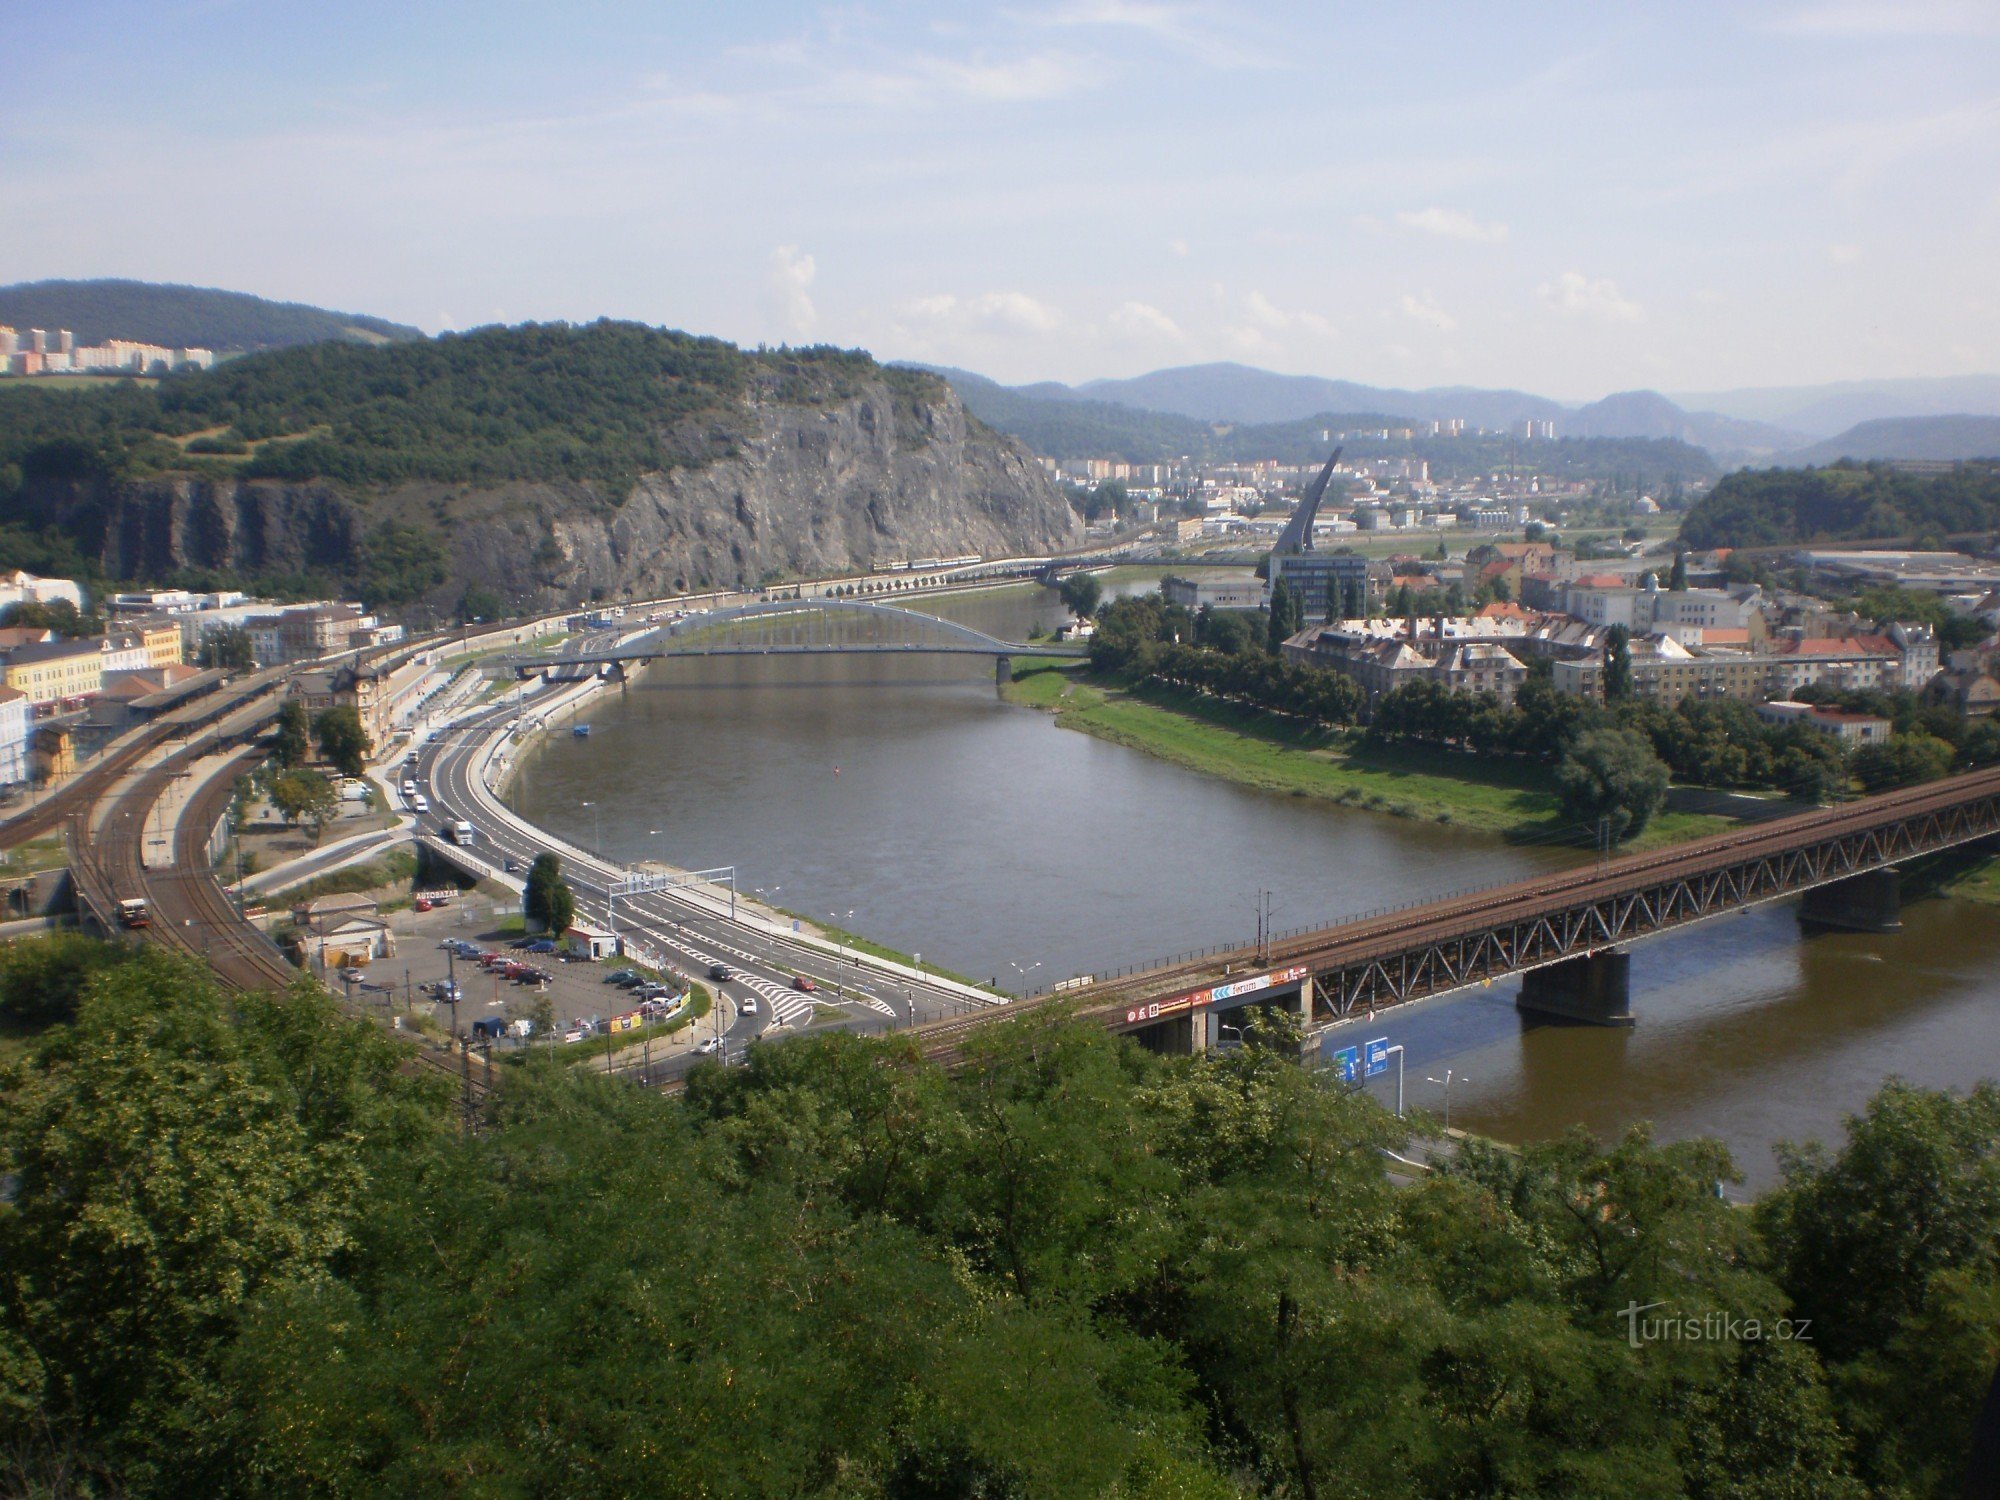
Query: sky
x: 1571, y: 199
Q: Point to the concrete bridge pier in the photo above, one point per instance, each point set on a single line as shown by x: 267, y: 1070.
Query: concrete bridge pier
x: 1868, y: 902
x: 1003, y: 670
x: 1595, y: 989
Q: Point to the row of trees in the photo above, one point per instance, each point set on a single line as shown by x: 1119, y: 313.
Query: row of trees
x: 342, y: 738
x: 1143, y: 637
x: 245, y: 1251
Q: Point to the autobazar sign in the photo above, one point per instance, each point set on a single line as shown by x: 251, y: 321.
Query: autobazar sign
x: 1173, y: 1005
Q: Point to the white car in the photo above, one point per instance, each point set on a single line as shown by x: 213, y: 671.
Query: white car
x: 711, y: 1045
x: 747, y: 1005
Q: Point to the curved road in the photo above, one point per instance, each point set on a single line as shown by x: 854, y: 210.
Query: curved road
x: 761, y: 990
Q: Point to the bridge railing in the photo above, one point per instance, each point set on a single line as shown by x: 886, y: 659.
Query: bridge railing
x: 1193, y: 955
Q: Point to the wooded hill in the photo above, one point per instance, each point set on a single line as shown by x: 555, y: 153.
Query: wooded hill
x: 184, y: 316
x: 1843, y: 502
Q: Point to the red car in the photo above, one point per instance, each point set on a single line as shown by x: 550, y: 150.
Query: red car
x: 800, y: 982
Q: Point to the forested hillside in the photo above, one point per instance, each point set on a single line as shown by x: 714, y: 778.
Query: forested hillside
x: 547, y: 463
x: 1843, y: 502
x: 244, y: 1252
x: 184, y: 316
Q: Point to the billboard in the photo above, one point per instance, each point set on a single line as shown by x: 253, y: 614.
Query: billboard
x: 1173, y: 1005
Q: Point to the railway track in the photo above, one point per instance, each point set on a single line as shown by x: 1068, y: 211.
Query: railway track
x: 1516, y: 901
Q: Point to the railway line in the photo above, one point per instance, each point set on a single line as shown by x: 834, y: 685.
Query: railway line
x: 1521, y: 901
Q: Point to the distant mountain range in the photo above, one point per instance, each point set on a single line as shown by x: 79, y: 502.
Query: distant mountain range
x: 1822, y: 411
x: 1170, y: 412
x: 185, y: 316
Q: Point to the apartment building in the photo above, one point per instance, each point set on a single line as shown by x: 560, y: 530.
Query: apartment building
x: 14, y: 711
x: 56, y: 671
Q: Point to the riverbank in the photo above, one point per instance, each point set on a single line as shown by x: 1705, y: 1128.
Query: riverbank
x: 1512, y: 798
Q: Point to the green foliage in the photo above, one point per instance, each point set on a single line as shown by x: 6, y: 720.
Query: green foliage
x: 41, y: 978
x: 58, y: 615
x: 399, y: 564
x: 598, y: 404
x: 1617, y: 664
x: 1611, y: 777
x: 547, y: 898
x: 342, y: 738
x: 291, y: 743
x: 303, y: 796
x: 1142, y: 637
x: 1842, y: 502
x: 1081, y: 594
x: 480, y: 602
x: 1904, y: 760
x: 1285, y: 619
x: 228, y: 647
x: 245, y: 1254
x: 179, y: 317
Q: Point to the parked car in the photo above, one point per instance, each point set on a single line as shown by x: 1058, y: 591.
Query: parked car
x: 631, y: 981
x: 619, y: 976
x: 542, y: 945
x: 446, y: 989
x: 576, y: 1033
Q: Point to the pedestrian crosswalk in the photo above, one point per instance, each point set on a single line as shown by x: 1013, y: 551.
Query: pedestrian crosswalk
x: 788, y: 1006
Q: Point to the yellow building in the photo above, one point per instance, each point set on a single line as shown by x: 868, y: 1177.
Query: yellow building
x: 52, y: 671
x: 163, y: 644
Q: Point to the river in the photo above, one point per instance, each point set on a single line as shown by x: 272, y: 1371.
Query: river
x: 902, y: 799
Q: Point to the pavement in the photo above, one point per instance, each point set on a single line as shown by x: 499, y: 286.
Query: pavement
x: 689, y: 929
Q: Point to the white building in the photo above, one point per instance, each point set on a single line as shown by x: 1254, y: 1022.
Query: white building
x: 18, y: 587
x: 13, y: 736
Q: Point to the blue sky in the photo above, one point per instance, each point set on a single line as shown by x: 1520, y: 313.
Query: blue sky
x: 1572, y: 199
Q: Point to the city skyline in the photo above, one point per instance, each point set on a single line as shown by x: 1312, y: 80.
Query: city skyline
x: 1572, y: 202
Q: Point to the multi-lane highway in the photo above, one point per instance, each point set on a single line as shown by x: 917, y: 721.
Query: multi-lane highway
x: 691, y: 932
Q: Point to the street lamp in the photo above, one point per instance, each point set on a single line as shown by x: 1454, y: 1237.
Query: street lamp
x: 1022, y: 974
x: 1398, y: 1050
x: 841, y: 941
x: 597, y: 826
x: 1449, y: 1078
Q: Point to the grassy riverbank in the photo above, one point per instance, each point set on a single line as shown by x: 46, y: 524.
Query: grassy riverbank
x: 1509, y: 797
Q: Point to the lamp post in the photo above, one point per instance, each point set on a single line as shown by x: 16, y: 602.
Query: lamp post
x: 597, y: 827
x: 1021, y: 974
x: 841, y: 942
x: 1449, y: 1077
x: 1398, y: 1051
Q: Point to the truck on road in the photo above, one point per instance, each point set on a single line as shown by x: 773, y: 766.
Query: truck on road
x: 463, y: 832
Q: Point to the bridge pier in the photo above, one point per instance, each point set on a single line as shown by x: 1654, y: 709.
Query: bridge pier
x: 1595, y: 989
x: 1868, y: 902
x: 1003, y: 670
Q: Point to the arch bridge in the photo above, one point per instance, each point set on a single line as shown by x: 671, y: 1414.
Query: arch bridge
x: 796, y: 627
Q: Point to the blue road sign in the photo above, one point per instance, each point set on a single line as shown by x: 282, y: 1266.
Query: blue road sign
x: 1377, y: 1053
x: 1347, y: 1063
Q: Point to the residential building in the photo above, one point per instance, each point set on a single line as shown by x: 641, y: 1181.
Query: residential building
x: 56, y: 671
x: 124, y: 651
x: 1382, y: 655
x: 1851, y: 729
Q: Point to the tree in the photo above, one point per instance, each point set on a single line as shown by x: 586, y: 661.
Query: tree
x: 548, y: 898
x: 227, y: 648
x: 481, y: 602
x: 1677, y: 581
x: 1904, y: 760
x: 1284, y: 622
x: 1617, y: 664
x: 1081, y: 594
x: 291, y: 744
x: 342, y: 739
x: 304, y: 796
x: 1611, y: 778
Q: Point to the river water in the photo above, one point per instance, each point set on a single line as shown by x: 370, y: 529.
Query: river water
x: 902, y: 799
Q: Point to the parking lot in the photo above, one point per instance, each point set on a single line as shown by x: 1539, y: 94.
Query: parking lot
x: 577, y: 993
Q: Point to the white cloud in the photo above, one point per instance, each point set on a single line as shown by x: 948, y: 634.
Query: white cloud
x: 1218, y: 41
x: 925, y: 79
x: 1450, y: 224
x: 1263, y: 313
x: 1843, y: 255
x: 791, y: 279
x: 1178, y: 248
x: 1598, y: 300
x: 991, y: 312
x: 1143, y: 320
x: 1424, y: 309
x: 1892, y: 18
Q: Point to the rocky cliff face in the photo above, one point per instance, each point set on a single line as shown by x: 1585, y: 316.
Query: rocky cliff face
x: 777, y: 490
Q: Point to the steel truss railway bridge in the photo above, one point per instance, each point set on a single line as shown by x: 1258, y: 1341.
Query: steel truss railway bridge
x: 1565, y: 933
x: 795, y: 627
